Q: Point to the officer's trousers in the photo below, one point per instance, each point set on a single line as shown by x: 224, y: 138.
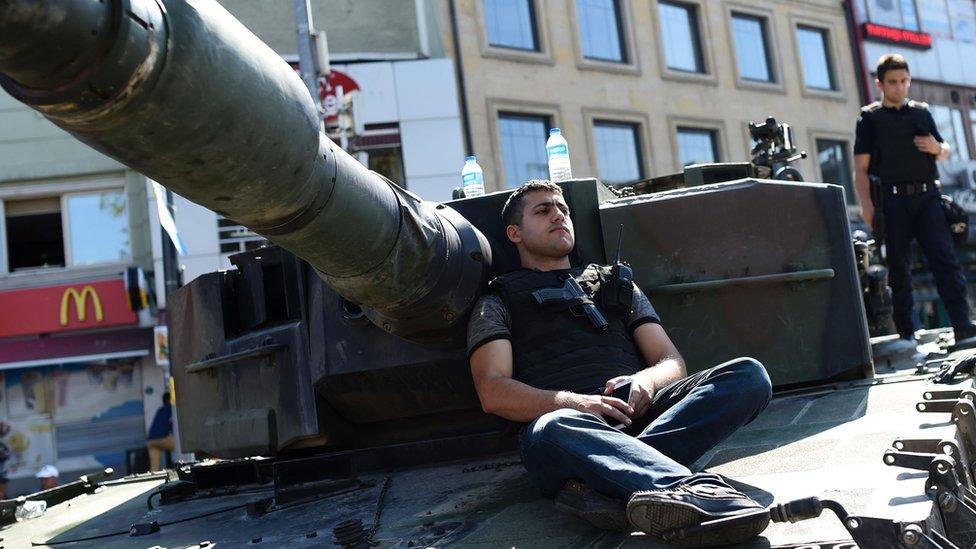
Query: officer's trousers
x: 921, y: 217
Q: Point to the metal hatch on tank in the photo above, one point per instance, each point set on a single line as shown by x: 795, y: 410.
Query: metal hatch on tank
x: 338, y: 352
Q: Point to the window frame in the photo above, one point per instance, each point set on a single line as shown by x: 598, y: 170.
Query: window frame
x: 834, y: 60
x: 767, y: 20
x: 66, y: 228
x: 625, y: 29
x: 847, y: 149
x: 495, y: 176
x: 641, y: 123
x: 707, y: 76
x: 812, y: 165
x: 542, y: 55
x: 717, y: 126
x: 60, y: 189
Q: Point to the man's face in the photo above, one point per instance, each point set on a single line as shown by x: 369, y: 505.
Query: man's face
x: 546, y: 228
x: 48, y: 482
x: 895, y: 85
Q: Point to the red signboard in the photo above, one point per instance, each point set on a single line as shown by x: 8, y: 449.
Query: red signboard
x: 80, y: 306
x: 902, y: 37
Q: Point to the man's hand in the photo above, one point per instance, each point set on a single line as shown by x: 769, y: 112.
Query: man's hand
x: 928, y: 144
x: 603, y: 406
x: 641, y: 392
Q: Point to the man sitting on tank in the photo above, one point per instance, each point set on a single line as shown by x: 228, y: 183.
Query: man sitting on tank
x: 551, y: 369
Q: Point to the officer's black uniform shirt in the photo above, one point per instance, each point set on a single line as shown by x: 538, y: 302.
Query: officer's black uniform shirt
x: 894, y: 157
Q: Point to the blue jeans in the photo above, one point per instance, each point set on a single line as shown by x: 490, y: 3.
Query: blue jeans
x: 685, y: 419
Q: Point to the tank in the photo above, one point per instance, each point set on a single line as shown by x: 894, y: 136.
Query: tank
x: 337, y: 353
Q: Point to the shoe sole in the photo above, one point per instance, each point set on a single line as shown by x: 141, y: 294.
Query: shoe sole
x: 659, y: 517
x: 604, y: 520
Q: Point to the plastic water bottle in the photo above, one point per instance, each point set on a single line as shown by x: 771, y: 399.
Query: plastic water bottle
x: 30, y: 509
x: 558, y: 152
x: 472, y: 178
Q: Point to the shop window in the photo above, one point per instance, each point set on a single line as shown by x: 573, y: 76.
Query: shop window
x: 235, y: 238
x: 934, y: 17
x: 601, y: 31
x: 511, y: 24
x: 835, y: 165
x: 523, y: 144
x: 617, y: 151
x: 697, y: 146
x: 818, y: 71
x: 34, y: 234
x: 950, y: 125
x: 962, y: 13
x: 900, y: 14
x: 752, y: 48
x: 681, y: 37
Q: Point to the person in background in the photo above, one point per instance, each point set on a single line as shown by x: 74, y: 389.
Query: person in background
x: 48, y: 477
x: 160, y: 437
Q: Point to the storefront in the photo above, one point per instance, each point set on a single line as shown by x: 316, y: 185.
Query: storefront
x: 78, y: 379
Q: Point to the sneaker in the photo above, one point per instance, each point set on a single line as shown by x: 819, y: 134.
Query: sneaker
x: 663, y: 512
x: 586, y: 503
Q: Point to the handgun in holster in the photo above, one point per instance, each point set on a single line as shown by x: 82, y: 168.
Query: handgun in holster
x: 572, y: 296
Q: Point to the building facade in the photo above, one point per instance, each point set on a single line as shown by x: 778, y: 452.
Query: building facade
x: 642, y: 88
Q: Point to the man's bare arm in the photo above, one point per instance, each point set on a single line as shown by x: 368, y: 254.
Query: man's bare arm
x: 862, y: 187
x: 491, y: 369
x: 666, y: 366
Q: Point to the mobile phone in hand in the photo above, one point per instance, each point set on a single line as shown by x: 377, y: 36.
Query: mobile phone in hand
x: 621, y: 390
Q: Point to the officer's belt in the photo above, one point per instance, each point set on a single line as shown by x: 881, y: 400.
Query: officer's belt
x: 909, y: 189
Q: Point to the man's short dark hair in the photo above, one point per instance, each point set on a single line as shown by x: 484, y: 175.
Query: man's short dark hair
x: 890, y: 62
x: 515, y: 205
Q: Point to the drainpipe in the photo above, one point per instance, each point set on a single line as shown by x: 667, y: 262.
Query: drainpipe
x: 858, y: 52
x: 468, y: 147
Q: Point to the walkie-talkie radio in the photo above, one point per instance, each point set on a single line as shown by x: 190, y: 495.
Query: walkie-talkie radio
x: 617, y: 291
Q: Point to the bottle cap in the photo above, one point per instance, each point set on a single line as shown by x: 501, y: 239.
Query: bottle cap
x: 469, y: 158
x: 554, y: 131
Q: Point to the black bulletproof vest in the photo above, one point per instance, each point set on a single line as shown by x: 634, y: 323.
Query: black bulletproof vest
x: 556, y: 348
x: 895, y: 158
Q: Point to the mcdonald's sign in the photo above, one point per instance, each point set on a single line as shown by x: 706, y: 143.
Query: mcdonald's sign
x: 71, y: 295
x: 81, y: 306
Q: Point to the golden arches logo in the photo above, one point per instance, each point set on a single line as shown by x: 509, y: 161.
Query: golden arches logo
x: 79, y: 299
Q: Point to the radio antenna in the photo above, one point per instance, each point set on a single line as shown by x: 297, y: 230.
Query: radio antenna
x: 620, y: 234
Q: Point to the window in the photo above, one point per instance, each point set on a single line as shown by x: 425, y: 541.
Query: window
x: 600, y: 30
x: 818, y: 73
x: 949, y: 122
x: 98, y: 228
x: 680, y: 37
x: 900, y: 14
x: 511, y: 24
x: 697, y: 146
x: 963, y: 16
x: 35, y: 238
x: 751, y: 48
x: 72, y: 230
x: 617, y: 151
x: 934, y: 17
x: 835, y: 165
x: 523, y: 144
x: 235, y: 238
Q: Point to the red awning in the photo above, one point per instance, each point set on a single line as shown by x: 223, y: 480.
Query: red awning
x: 56, y: 349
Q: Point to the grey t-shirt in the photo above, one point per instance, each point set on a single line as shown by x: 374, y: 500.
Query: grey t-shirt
x: 490, y: 320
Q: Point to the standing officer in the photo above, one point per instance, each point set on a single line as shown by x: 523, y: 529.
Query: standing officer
x: 897, y: 142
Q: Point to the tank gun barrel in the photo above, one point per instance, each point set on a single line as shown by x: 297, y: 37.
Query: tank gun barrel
x: 185, y: 94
